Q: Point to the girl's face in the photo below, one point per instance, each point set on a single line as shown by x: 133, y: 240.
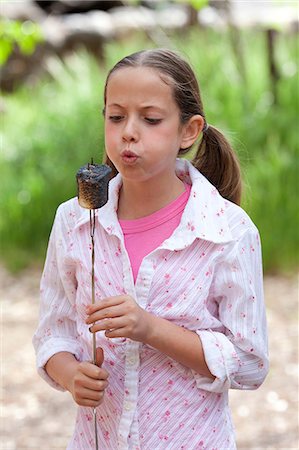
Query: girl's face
x: 143, y: 133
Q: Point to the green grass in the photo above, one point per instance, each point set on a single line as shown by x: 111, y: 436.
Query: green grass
x: 50, y: 130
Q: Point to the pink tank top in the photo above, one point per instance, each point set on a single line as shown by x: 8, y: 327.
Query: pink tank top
x: 144, y: 235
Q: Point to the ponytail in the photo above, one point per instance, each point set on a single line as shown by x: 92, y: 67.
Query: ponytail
x: 217, y: 161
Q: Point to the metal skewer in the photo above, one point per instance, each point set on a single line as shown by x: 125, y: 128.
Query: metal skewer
x: 92, y: 223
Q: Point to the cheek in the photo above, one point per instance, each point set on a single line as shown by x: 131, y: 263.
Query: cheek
x: 170, y: 131
x: 169, y: 139
x: 111, y: 137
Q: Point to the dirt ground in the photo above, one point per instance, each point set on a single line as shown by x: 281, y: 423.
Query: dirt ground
x: 35, y: 416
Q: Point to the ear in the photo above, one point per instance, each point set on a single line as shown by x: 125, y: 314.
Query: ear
x: 191, y: 130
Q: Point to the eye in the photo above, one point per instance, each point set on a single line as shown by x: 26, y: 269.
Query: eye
x: 115, y: 118
x: 152, y: 121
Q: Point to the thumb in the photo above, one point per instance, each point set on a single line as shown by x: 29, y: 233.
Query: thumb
x: 99, y: 356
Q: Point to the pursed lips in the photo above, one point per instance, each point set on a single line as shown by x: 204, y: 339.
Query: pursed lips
x: 128, y: 156
x: 129, y: 153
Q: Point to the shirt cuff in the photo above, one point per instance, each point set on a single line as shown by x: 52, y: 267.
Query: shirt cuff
x: 50, y: 348
x: 222, y: 361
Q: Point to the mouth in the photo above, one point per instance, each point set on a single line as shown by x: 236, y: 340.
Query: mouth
x: 129, y: 157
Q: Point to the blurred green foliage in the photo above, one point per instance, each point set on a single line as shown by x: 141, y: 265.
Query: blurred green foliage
x: 50, y: 130
x: 198, y: 4
x: 25, y: 35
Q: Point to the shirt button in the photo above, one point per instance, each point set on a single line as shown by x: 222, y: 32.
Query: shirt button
x: 128, y: 406
x: 132, y: 361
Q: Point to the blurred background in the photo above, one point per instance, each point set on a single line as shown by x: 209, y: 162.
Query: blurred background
x: 54, y: 58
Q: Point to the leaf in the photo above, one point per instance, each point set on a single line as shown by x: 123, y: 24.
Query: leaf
x: 25, y: 35
x: 5, y: 50
x: 198, y: 4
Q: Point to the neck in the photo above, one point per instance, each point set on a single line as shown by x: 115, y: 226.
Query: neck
x: 142, y: 199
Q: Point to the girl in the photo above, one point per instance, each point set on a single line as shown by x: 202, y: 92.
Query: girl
x: 179, y: 316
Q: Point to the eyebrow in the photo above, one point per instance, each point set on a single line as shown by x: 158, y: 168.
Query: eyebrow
x: 146, y: 107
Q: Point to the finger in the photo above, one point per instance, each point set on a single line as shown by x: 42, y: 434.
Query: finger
x: 117, y: 333
x: 108, y: 324
x: 106, y: 302
x: 91, y: 384
x: 99, y: 356
x: 106, y: 313
x: 92, y: 371
x: 90, y: 394
x: 88, y: 402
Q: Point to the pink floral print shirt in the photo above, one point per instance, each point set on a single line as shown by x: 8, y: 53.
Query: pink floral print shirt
x: 207, y: 277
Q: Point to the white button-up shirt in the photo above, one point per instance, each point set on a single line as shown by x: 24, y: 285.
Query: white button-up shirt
x: 207, y: 277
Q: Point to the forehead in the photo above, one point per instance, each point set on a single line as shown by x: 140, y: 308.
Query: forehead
x: 139, y: 84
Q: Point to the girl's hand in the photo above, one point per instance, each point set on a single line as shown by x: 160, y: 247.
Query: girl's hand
x: 119, y: 316
x: 89, y: 382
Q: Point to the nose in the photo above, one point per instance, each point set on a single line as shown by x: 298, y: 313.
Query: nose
x: 130, y: 132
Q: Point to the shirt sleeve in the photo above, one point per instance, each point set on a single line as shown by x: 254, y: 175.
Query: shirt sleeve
x: 238, y: 355
x: 57, y: 329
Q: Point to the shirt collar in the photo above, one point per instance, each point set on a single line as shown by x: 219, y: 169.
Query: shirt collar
x: 205, y: 215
